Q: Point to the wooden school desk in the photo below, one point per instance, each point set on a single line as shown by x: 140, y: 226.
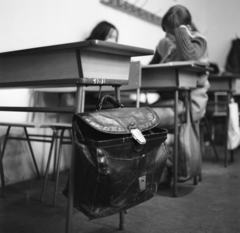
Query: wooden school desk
x: 87, y: 63
x: 174, y: 77
x: 133, y: 85
x: 227, y: 85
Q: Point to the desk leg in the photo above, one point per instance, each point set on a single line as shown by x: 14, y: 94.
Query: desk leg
x: 226, y: 130
x: 121, y: 214
x: 78, y: 109
x: 117, y: 93
x: 2, y: 173
x: 232, y: 155
x: 175, y: 152
x: 138, y: 94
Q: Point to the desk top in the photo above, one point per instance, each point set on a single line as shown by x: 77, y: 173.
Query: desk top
x: 85, y: 63
x: 226, y: 76
x: 189, y: 65
x: 172, y: 75
x: 91, y: 45
x: 225, y: 83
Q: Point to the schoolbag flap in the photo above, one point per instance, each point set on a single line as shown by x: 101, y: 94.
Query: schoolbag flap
x: 121, y: 121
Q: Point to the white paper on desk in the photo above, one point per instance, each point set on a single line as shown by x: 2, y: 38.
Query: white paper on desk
x: 233, y: 127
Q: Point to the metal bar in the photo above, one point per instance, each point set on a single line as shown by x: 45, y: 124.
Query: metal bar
x: 121, y: 221
x: 117, y: 93
x: 30, y: 139
x: 55, y: 157
x: 31, y: 151
x: 78, y: 108
x: 210, y: 138
x: 121, y: 214
x: 47, y: 168
x: 69, y: 110
x: 2, y: 173
x: 138, y: 95
x: 5, y: 140
x: 57, y: 167
x: 175, y: 154
x: 232, y: 155
x: 226, y: 130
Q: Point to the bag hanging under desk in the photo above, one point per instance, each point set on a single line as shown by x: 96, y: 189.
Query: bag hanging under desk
x: 119, y: 158
x: 190, y: 154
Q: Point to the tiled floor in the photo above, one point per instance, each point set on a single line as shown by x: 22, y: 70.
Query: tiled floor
x: 211, y: 206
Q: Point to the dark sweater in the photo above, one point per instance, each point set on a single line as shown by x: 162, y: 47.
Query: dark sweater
x: 187, y: 47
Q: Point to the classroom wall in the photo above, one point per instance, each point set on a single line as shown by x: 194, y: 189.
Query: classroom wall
x: 35, y: 23
x: 222, y: 26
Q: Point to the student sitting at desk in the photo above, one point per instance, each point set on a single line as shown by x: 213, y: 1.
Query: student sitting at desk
x: 182, y: 43
x: 104, y: 31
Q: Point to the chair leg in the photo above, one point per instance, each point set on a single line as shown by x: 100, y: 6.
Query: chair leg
x: 232, y: 155
x: 5, y: 140
x: 2, y: 174
x: 1, y: 161
x: 57, y: 167
x: 69, y: 224
x: 121, y: 221
x: 195, y: 180
x: 55, y: 159
x: 202, y: 146
x: 48, y: 164
x: 32, y: 154
x: 126, y: 211
x: 200, y: 177
x: 210, y: 137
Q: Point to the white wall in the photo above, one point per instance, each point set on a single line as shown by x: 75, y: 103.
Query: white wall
x: 222, y: 25
x: 35, y: 23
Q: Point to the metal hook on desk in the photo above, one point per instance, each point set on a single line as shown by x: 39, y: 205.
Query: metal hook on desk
x: 127, y: 5
x: 107, y: 1
x: 140, y: 9
x: 146, y: 1
x: 121, y: 3
x: 134, y: 8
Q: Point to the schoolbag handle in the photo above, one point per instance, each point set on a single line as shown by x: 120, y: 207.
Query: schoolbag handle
x: 109, y: 99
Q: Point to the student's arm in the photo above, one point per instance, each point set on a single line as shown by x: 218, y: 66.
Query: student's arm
x: 156, y: 58
x: 190, y: 47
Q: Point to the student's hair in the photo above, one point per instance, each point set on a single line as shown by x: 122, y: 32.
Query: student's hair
x: 177, y: 15
x: 101, y: 31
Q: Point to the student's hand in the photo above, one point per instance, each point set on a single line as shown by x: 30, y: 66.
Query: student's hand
x: 171, y: 40
x: 172, y: 47
x: 188, y: 29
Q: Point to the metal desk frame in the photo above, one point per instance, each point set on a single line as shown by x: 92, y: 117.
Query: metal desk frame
x: 173, y: 76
